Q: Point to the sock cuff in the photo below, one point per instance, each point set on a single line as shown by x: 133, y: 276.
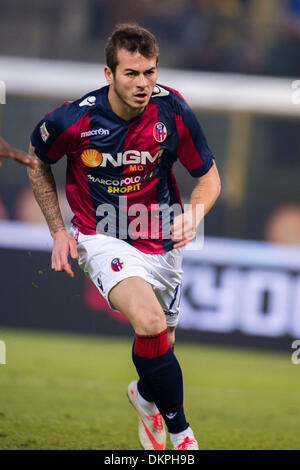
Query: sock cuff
x: 150, y: 346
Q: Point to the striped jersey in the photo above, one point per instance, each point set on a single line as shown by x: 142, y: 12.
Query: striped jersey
x: 120, y: 173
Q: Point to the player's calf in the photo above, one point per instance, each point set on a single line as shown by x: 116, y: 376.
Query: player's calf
x: 159, y: 369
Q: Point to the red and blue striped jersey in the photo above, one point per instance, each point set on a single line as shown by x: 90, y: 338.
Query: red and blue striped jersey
x: 118, y: 165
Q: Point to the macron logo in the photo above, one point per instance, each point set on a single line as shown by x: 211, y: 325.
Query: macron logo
x: 159, y: 91
x: 89, y: 101
x: 100, y: 131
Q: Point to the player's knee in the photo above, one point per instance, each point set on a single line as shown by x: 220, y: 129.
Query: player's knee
x: 152, y: 323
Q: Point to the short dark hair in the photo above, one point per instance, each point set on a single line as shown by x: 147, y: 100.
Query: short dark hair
x: 133, y: 38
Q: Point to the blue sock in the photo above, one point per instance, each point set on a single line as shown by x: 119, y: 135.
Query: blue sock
x: 144, y: 390
x: 161, y: 378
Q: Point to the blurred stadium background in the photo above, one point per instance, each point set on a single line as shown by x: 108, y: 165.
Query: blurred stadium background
x: 237, y: 63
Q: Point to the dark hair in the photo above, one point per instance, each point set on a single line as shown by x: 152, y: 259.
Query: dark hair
x: 133, y: 38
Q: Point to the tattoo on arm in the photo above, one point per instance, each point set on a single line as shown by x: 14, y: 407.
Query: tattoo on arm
x: 44, y: 189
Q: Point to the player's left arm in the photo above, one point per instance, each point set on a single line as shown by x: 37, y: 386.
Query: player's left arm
x: 203, y: 197
x: 196, y: 156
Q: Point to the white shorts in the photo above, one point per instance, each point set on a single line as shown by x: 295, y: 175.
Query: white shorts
x: 108, y: 260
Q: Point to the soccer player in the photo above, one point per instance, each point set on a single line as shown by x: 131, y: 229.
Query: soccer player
x: 6, y: 151
x: 121, y: 142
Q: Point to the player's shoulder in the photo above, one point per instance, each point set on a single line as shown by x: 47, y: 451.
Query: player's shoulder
x: 70, y: 112
x: 65, y: 119
x: 88, y: 101
x: 168, y: 96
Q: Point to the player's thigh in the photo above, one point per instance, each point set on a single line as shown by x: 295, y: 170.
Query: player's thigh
x: 135, y: 299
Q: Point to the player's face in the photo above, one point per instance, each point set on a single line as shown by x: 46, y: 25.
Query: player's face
x: 132, y: 84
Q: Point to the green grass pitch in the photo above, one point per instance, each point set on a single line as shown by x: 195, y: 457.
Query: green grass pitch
x: 64, y: 391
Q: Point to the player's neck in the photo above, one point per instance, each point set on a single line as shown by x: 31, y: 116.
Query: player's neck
x: 120, y: 108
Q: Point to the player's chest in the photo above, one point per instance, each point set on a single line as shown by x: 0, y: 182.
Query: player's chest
x: 135, y: 139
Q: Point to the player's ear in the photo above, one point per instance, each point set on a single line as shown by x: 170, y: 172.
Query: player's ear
x: 108, y: 74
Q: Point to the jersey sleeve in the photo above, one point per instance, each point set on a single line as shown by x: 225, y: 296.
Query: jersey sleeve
x: 192, y: 150
x: 52, y: 137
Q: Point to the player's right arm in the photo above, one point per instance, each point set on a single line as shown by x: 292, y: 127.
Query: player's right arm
x: 44, y: 189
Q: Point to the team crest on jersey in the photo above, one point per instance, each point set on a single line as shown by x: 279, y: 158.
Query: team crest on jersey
x: 117, y: 264
x: 44, y: 133
x: 160, y: 132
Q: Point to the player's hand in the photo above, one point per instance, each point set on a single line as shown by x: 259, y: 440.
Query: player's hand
x: 63, y: 245
x: 6, y: 151
x: 183, y: 229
